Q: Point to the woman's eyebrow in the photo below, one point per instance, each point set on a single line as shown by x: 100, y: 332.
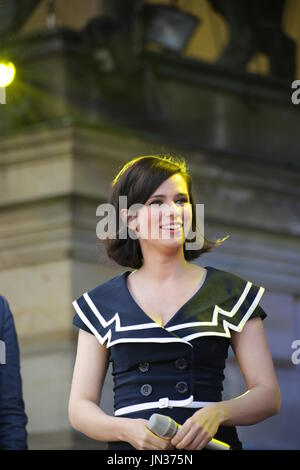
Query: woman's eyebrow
x: 163, y: 195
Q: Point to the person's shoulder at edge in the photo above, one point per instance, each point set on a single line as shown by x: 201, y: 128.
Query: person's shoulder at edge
x: 5, y: 312
x: 7, y: 326
x: 13, y: 419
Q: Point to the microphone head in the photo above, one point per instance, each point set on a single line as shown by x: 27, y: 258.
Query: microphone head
x: 162, y: 425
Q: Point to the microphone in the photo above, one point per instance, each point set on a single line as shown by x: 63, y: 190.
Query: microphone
x: 164, y: 426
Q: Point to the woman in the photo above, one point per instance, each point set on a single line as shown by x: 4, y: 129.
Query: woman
x: 167, y: 325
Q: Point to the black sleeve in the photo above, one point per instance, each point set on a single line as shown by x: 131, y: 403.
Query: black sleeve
x: 251, y: 303
x: 13, y: 420
x: 82, y: 318
x: 88, y: 317
x: 243, y: 307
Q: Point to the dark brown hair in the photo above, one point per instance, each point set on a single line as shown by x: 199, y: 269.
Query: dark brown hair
x: 137, y: 180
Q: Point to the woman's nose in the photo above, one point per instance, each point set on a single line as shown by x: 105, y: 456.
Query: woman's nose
x: 173, y: 209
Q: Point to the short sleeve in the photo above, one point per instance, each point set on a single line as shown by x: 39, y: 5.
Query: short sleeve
x: 82, y: 316
x: 251, y: 307
x: 91, y: 317
x: 258, y: 312
x: 80, y: 324
x: 243, y: 306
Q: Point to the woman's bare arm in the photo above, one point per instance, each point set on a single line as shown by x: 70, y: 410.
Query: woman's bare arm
x: 90, y: 369
x: 262, y: 398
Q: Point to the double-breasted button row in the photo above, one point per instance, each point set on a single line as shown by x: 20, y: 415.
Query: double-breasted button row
x: 144, y: 366
x: 181, y: 363
x: 146, y: 389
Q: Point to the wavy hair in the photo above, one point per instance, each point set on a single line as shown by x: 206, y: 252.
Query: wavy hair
x: 137, y: 180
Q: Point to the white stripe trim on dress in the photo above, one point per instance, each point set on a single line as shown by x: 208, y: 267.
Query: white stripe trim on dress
x: 116, y: 319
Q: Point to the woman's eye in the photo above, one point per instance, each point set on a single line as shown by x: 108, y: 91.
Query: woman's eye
x: 158, y: 201
x: 154, y: 202
x: 182, y: 200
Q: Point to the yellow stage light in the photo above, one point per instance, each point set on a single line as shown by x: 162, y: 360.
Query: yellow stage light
x: 7, y: 73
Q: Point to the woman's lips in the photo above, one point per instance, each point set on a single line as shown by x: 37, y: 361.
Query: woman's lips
x: 174, y: 229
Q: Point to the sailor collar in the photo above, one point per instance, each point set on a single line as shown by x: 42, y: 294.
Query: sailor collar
x: 224, y: 302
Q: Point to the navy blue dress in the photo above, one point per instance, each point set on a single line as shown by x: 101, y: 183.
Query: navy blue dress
x: 176, y: 369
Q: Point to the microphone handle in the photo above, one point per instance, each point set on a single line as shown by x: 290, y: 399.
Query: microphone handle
x: 215, y: 444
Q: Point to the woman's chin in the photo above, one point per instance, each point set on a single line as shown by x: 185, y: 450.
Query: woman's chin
x: 171, y: 242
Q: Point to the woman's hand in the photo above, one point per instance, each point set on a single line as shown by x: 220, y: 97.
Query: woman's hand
x: 139, y: 436
x: 199, y: 429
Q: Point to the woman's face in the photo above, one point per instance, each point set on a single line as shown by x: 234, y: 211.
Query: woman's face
x: 166, y: 217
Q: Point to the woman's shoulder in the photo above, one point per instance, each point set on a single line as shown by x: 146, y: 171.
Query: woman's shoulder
x: 229, y: 280
x: 236, y: 296
x: 108, y: 285
x: 223, y: 285
x: 98, y: 307
x: 108, y: 294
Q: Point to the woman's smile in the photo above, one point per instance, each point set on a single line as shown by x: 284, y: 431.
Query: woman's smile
x: 172, y: 228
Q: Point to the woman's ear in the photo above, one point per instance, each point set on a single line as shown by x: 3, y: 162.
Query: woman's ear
x: 124, y: 215
x: 129, y: 220
x: 133, y: 223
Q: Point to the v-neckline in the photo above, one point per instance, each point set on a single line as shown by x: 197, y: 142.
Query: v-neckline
x: 132, y: 300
